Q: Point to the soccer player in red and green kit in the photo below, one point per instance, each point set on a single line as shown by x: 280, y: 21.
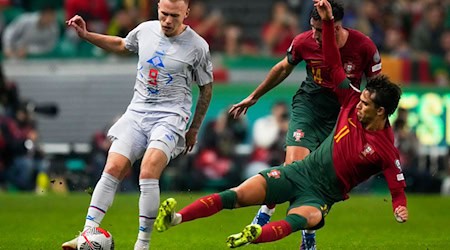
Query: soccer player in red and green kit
x: 313, y: 103
x: 361, y: 145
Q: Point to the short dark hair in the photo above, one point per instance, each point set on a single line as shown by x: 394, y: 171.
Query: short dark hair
x: 337, y: 10
x: 387, y: 93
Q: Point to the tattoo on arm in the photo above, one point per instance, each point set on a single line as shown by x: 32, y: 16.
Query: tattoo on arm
x: 202, y: 105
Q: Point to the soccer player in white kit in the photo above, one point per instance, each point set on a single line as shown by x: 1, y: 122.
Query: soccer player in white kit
x: 171, y: 57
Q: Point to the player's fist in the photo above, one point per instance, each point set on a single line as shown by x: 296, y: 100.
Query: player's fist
x: 401, y: 214
x: 78, y: 23
x: 324, y: 9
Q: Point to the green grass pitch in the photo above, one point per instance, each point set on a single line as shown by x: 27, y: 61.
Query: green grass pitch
x: 35, y: 222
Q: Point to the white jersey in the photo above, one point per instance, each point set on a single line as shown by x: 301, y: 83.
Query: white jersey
x: 167, y: 67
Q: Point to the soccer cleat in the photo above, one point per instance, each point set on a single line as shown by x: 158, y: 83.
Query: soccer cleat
x: 165, y: 214
x: 247, y: 236
x: 308, y: 241
x: 261, y: 218
x: 71, y: 244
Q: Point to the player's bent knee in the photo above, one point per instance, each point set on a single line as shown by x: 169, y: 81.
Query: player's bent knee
x: 319, y: 225
x: 296, y: 221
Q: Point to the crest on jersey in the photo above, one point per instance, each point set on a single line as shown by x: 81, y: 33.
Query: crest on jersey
x: 349, y: 67
x: 298, y: 135
x: 368, y: 150
x: 274, y: 174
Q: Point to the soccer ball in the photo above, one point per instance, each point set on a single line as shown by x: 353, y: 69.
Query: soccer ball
x: 95, y: 238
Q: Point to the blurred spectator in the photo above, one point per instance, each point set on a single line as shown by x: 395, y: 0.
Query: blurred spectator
x: 277, y: 35
x: 217, y: 156
x: 406, y: 141
x: 440, y: 64
x: 428, y: 31
x: 234, y: 43
x: 27, y: 156
x: 395, y: 43
x: 208, y: 24
x: 123, y: 22
x: 3, y: 5
x: 31, y: 34
x: 145, y: 9
x: 417, y: 180
x: 96, y: 13
x: 269, y: 134
x: 370, y: 22
x: 100, y: 145
x: 9, y: 96
x: 445, y: 186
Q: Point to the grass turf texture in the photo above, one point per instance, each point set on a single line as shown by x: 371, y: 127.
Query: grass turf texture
x: 35, y: 222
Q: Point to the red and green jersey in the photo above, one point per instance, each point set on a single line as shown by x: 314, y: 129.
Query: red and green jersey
x: 358, y: 153
x: 359, y: 56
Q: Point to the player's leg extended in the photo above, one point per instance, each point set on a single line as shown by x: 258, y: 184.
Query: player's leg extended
x: 250, y: 192
x: 116, y: 167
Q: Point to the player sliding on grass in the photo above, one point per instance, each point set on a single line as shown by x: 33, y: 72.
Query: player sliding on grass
x: 314, y: 109
x: 360, y: 146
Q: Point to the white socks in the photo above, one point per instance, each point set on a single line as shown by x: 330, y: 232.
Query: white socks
x: 267, y: 210
x: 101, y: 200
x: 148, y: 208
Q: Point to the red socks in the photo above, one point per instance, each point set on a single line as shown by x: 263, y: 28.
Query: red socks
x: 274, y: 231
x: 203, y: 207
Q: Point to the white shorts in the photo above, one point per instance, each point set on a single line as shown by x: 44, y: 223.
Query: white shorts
x: 136, y: 132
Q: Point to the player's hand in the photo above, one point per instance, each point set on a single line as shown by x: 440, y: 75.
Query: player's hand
x: 191, y: 139
x: 324, y: 9
x: 78, y: 23
x: 401, y: 214
x: 241, y: 108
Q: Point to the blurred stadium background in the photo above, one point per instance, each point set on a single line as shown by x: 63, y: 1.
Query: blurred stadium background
x: 62, y: 99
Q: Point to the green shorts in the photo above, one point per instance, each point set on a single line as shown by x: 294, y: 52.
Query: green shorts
x: 313, y: 117
x: 302, y: 192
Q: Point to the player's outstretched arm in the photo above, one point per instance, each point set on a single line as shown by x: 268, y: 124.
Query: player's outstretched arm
x: 276, y: 75
x: 401, y: 214
x: 109, y: 43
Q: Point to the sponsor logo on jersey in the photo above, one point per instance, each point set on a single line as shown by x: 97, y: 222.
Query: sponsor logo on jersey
x: 376, y: 67
x: 298, y: 135
x: 170, y: 137
x: 274, y: 174
x: 324, y: 210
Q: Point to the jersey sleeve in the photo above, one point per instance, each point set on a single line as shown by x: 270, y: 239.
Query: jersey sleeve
x: 203, y: 71
x: 342, y: 86
x: 392, y: 171
x: 132, y: 41
x: 373, y: 59
x: 293, y: 53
